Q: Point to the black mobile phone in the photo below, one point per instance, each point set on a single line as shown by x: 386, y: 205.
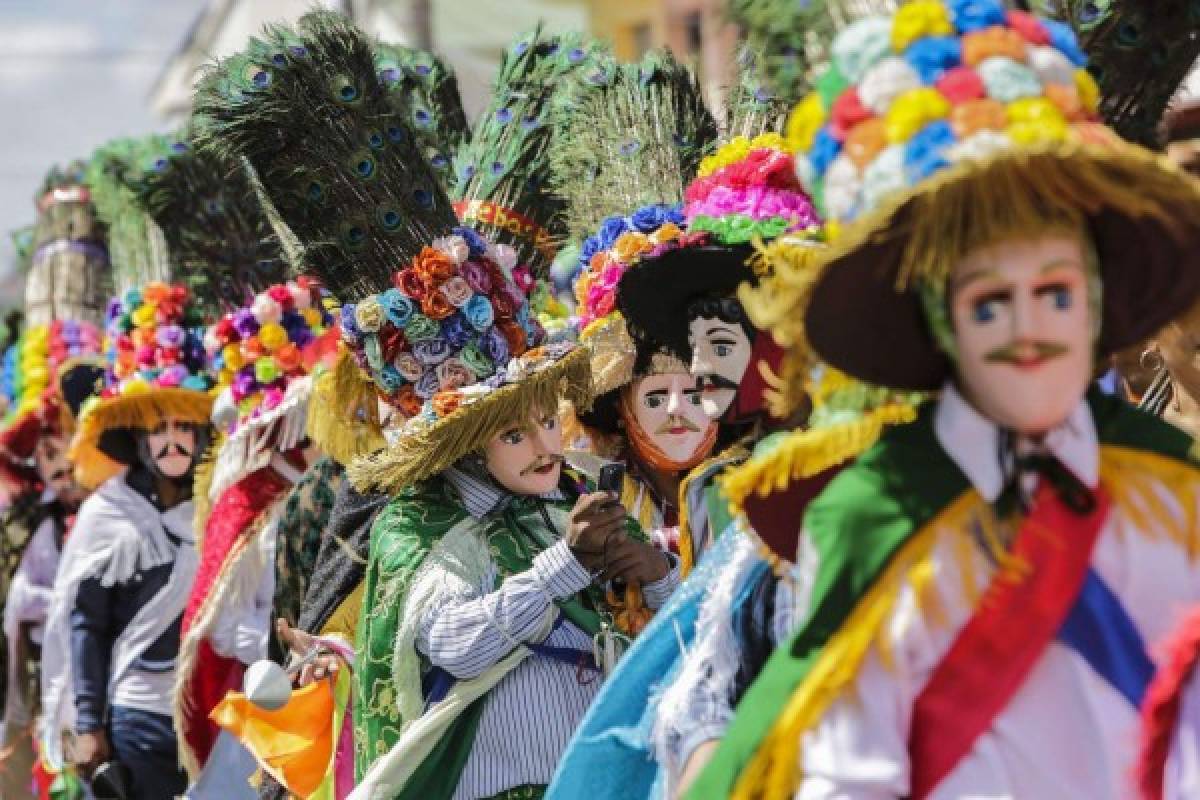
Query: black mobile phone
x: 110, y: 781
x: 611, y: 478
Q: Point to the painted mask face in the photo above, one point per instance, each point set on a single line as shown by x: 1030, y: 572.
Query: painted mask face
x: 667, y: 407
x: 1023, y: 328
x: 527, y: 458
x: 172, y: 446
x: 720, y: 355
x: 50, y: 457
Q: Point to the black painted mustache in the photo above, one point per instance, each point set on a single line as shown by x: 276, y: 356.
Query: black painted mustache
x: 715, y: 381
x: 180, y: 450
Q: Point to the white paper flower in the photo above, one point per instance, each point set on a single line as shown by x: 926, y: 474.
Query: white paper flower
x: 885, y: 81
x: 504, y: 256
x: 883, y: 176
x: 266, y: 310
x: 843, y: 188
x: 1052, y: 66
x: 979, y: 145
x: 301, y: 297
x: 861, y: 46
x: 453, y: 247
x: 804, y: 171
x: 1006, y: 80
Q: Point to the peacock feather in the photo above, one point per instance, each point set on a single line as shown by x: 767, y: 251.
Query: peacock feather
x: 220, y: 240
x: 425, y: 92
x: 633, y: 142
x: 1139, y: 52
x: 308, y: 108
x: 135, y: 243
x: 785, y: 43
x: 503, y: 175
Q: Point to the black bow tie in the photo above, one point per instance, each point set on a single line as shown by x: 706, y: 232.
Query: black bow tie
x: 1073, y: 493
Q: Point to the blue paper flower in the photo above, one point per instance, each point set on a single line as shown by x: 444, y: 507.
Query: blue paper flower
x: 824, y: 150
x: 974, y: 15
x: 924, y: 153
x: 457, y: 330
x: 610, y: 230
x: 350, y: 331
x: 396, y: 307
x: 479, y: 312
x: 648, y: 218
x: 1063, y: 38
x: 933, y: 55
x: 391, y: 379
x: 476, y: 244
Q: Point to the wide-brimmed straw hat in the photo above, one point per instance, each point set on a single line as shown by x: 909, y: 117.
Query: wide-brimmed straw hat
x: 950, y: 127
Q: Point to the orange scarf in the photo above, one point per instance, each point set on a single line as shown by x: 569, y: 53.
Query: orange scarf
x: 651, y: 454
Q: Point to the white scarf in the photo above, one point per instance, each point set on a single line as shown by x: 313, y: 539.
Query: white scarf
x: 117, y: 533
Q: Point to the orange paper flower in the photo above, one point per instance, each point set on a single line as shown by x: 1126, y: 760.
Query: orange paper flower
x: 446, y: 403
x: 866, y: 141
x: 432, y: 266
x: 978, y: 115
x: 990, y: 42
x: 435, y: 306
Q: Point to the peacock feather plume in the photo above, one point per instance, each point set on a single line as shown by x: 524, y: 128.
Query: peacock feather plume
x: 634, y: 142
x: 135, y: 244
x: 220, y: 240
x: 503, y: 186
x: 425, y: 92
x: 1139, y: 51
x: 308, y: 108
x: 785, y: 43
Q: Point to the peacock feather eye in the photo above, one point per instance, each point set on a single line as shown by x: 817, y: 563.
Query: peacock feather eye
x: 213, y: 206
x: 630, y: 147
x: 344, y: 89
x: 1129, y: 34
x: 279, y: 58
x: 575, y: 55
x: 530, y: 123
x: 364, y: 166
x: 422, y: 118
x: 257, y: 76
x: 389, y: 218
x: 354, y: 234
x: 389, y: 75
x: 375, y: 140
x: 298, y: 50
x: 468, y: 172
x: 497, y: 168
x: 423, y: 69
x: 424, y: 198
x: 395, y: 134
x: 438, y: 161
x: 520, y: 48
x: 552, y: 48
x: 504, y: 116
x: 159, y: 164
x: 315, y: 192
x: 179, y: 147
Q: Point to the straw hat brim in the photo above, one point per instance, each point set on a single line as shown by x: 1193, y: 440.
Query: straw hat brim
x: 863, y: 320
x: 100, y: 447
x: 426, y: 450
x: 654, y: 295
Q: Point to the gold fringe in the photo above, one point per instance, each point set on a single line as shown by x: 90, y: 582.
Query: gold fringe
x: 805, y: 453
x: 143, y: 411
x: 1135, y: 479
x: 731, y: 456
x: 774, y: 770
x: 421, y: 454
x: 343, y: 415
x: 201, y: 481
x: 788, y: 268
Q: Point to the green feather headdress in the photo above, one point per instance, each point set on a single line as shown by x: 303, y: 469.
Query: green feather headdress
x: 221, y: 244
x: 307, y: 107
x: 135, y: 244
x: 424, y: 91
x: 634, y: 142
x: 503, y: 185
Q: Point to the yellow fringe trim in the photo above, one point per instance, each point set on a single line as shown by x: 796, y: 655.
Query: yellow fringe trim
x: 787, y: 268
x: 1135, y: 480
x: 430, y: 450
x: 731, y: 456
x: 142, y: 411
x: 201, y: 481
x: 343, y: 414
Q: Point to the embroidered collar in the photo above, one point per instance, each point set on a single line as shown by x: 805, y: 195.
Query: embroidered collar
x: 973, y: 442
